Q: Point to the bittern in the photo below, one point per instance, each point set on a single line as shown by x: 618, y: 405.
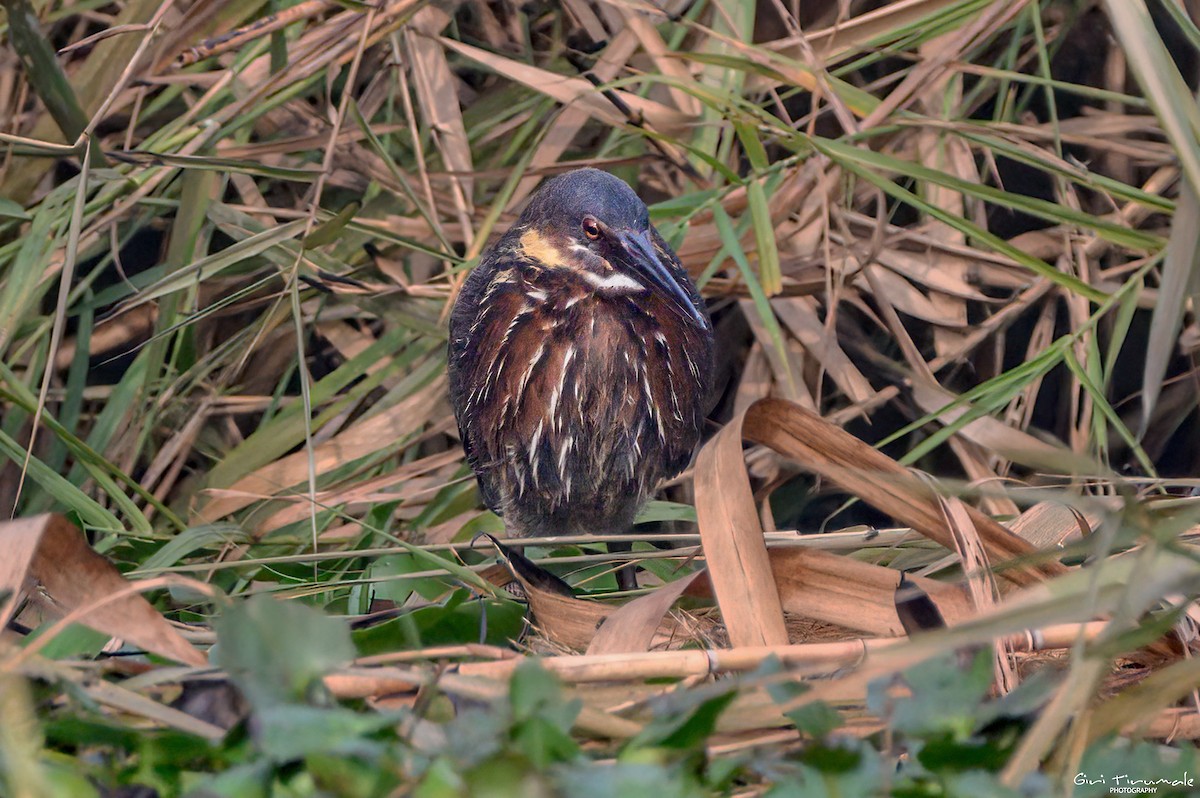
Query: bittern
x: 580, y: 362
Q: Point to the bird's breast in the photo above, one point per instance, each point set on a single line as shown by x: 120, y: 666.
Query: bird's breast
x: 588, y: 385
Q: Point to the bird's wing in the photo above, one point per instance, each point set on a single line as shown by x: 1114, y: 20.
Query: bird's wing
x: 462, y: 356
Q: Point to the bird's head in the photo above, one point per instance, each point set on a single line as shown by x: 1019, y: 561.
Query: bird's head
x: 591, y: 222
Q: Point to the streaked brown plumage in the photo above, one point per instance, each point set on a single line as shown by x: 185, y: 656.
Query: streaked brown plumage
x: 580, y: 361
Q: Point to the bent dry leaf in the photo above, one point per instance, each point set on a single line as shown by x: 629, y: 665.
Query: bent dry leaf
x: 877, y: 479
x: 50, y: 551
x: 754, y: 587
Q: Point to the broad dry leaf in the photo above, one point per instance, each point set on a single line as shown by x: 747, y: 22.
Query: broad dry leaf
x: 1048, y: 525
x: 952, y: 155
x: 584, y: 14
x: 635, y: 625
x: 755, y: 380
x: 919, y: 268
x: 783, y: 361
x: 561, y: 617
x: 981, y: 582
x: 48, y: 550
x: 908, y: 298
x: 857, y: 595
x: 664, y: 62
x: 570, y: 121
x: 565, y: 620
x: 733, y: 543
x: 599, y: 628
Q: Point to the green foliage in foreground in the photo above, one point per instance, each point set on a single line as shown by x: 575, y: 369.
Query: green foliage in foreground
x: 945, y: 736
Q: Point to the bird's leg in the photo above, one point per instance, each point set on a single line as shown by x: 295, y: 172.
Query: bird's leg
x: 626, y: 574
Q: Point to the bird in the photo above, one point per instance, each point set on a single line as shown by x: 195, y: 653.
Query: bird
x: 580, y: 363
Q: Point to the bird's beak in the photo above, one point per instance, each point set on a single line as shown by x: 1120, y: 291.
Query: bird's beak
x: 644, y: 257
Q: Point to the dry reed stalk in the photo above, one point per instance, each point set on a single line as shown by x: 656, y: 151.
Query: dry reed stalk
x: 682, y: 664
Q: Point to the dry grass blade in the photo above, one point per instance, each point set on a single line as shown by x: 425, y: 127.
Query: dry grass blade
x: 1159, y: 690
x: 1180, y: 283
x: 438, y: 95
x: 834, y: 42
x: 234, y: 39
x: 993, y: 435
x: 981, y: 582
x: 381, y: 430
x: 576, y: 91
x: 800, y: 316
x: 115, y: 696
x: 1048, y: 525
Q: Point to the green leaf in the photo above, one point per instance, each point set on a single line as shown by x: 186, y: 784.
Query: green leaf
x: 755, y: 153
x: 764, y: 239
x: 45, y: 74
x: 535, y: 692
x: 13, y: 210
x: 685, y: 731
x: 816, y: 718
x: 1180, y: 284
x: 91, y: 512
x: 543, y: 742
x: 277, y: 651
x: 287, y: 732
x: 190, y: 541
x: 733, y: 248
x: 457, y: 622
x: 328, y: 232
x: 946, y: 696
x: 212, y: 265
x: 658, y: 510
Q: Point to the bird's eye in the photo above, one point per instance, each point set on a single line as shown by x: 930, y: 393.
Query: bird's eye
x: 591, y: 228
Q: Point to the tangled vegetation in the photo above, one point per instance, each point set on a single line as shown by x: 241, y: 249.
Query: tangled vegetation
x: 247, y: 556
